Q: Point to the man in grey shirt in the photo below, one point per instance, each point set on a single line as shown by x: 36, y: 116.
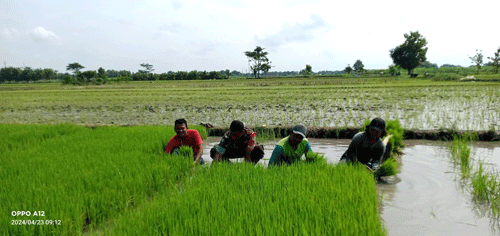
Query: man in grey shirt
x: 367, y: 147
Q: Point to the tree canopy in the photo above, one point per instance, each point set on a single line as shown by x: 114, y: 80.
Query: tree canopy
x: 75, y: 67
x: 148, y: 68
x: 307, y: 70
x: 259, y: 60
x: 358, y: 66
x: 411, y: 53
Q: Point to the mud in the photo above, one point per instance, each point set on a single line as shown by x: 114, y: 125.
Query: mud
x: 428, y: 196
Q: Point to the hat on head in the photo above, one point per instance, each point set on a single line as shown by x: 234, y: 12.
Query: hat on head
x: 377, y: 124
x: 237, y: 126
x: 300, y: 129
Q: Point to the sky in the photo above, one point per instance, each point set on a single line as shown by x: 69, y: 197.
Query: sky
x: 175, y: 35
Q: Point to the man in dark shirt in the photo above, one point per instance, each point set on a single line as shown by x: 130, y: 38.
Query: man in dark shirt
x: 367, y: 147
x: 238, y: 142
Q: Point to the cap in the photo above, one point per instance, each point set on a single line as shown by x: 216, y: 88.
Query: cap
x: 237, y: 126
x: 377, y: 124
x: 300, y: 129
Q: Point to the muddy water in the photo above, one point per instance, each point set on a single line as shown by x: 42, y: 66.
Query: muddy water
x: 427, y: 197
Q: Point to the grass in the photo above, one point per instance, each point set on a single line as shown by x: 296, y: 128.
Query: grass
x: 240, y: 199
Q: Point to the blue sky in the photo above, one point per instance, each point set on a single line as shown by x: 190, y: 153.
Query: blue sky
x: 213, y: 35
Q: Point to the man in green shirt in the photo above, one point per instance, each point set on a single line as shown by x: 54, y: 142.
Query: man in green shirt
x: 291, y: 148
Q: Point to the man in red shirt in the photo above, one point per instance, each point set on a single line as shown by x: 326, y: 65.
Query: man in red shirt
x: 186, y: 137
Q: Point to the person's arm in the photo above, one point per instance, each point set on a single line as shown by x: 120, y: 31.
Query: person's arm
x: 308, y: 148
x: 171, y: 144
x: 197, y: 149
x: 351, y: 154
x: 276, y: 156
x: 197, y: 157
x: 378, y: 153
x: 250, y: 147
x: 220, y: 149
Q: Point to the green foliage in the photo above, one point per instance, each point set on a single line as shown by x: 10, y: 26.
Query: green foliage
x: 461, y: 155
x: 148, y: 68
x: 411, y: 53
x: 315, y: 157
x: 348, y: 69
x: 495, y: 61
x: 477, y: 59
x: 443, y: 76
x: 186, y: 151
x: 427, y: 64
x: 388, y: 168
x: 394, y: 69
x: 75, y: 67
x: 307, y: 70
x: 359, y: 67
x: 259, y: 60
x: 240, y: 199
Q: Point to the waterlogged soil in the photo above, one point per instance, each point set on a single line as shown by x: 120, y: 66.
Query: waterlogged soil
x: 428, y: 196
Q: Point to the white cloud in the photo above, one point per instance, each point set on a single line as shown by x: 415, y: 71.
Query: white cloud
x: 41, y: 34
x: 297, y: 33
x: 9, y: 33
x: 177, y: 5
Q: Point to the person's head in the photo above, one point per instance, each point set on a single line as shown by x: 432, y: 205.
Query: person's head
x: 181, y: 127
x: 298, y: 133
x: 376, y: 129
x: 237, y: 129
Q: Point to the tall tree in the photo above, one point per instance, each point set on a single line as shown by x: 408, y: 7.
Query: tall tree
x: 348, y: 69
x: 477, y: 59
x: 307, y: 70
x: 411, y: 53
x: 496, y: 60
x: 148, y: 68
x: 358, y: 66
x: 260, y: 61
x: 75, y: 67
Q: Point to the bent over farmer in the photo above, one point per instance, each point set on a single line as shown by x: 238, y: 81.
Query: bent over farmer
x: 238, y: 142
x: 291, y: 148
x: 186, y: 137
x: 367, y: 147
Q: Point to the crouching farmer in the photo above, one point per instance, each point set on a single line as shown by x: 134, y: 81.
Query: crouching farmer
x: 186, y: 137
x: 367, y: 147
x: 238, y: 142
x: 291, y: 148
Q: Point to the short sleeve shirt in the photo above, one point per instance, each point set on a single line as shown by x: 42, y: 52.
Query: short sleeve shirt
x: 192, y: 139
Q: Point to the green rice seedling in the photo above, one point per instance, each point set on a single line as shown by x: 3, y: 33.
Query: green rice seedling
x: 461, y: 155
x: 80, y: 177
x: 479, y: 181
x: 388, y: 168
x: 186, y: 151
x: 241, y: 199
x: 315, y: 157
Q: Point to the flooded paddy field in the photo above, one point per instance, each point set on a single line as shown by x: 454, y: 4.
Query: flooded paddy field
x: 315, y: 102
x: 428, y: 196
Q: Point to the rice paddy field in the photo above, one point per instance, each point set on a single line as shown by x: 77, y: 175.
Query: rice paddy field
x: 319, y: 101
x: 73, y: 180
x: 65, y: 155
